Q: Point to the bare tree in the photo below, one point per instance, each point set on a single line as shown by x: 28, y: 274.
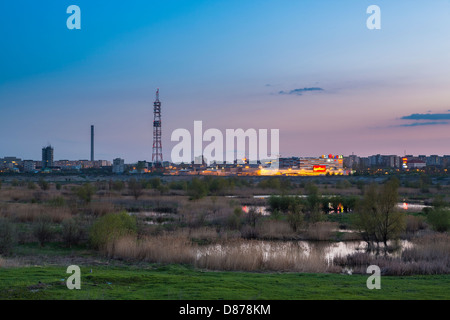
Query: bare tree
x: 135, y: 188
x: 377, y: 216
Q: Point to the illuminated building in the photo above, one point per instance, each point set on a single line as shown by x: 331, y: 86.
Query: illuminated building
x: 10, y: 163
x: 416, y: 164
x: 308, y: 166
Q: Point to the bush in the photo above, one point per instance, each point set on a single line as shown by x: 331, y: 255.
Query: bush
x: 178, y: 185
x: 7, y: 236
x: 72, y: 232
x: 343, y: 184
x: 44, y: 184
x: 283, y: 203
x: 85, y: 192
x: 197, y: 189
x: 414, y: 223
x: 57, y: 202
x: 111, y: 227
x: 43, y: 231
x: 118, y: 185
x: 31, y: 185
x: 154, y: 183
x: 135, y: 188
x: 439, y: 219
x: 235, y: 219
x: 270, y: 183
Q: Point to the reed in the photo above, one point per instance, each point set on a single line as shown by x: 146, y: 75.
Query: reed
x: 321, y: 231
x: 232, y: 255
x: 26, y: 212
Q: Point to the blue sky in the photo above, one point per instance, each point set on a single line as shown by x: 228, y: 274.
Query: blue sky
x: 232, y: 64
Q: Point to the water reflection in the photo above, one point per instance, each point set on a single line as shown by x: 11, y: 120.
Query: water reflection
x: 301, y: 249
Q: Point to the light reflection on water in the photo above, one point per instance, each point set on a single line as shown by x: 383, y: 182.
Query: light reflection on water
x: 413, y: 207
x: 277, y: 249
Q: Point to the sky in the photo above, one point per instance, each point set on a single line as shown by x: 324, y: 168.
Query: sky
x: 310, y: 68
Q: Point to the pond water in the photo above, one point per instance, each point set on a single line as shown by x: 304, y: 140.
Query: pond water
x: 273, y: 250
x: 152, y: 217
x: 297, y: 249
x: 409, y: 207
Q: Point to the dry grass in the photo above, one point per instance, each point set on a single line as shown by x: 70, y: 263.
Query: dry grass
x: 414, y: 224
x: 274, y: 230
x: 25, y: 212
x: 235, y: 254
x: 430, y: 255
x: 256, y: 255
x: 101, y: 208
x: 18, y: 195
x: 321, y: 231
x: 9, y: 263
x: 161, y: 249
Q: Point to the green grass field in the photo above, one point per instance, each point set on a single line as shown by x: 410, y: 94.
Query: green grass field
x: 178, y: 282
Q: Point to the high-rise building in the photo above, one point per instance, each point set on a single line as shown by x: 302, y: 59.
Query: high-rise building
x: 47, y: 157
x: 118, y: 165
x: 29, y: 165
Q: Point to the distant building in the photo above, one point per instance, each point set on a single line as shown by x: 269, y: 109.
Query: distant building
x: 47, y: 157
x: 416, y: 164
x: 10, y: 163
x: 118, y: 165
x: 433, y: 160
x: 81, y: 164
x: 292, y: 162
x: 446, y: 161
x: 364, y: 162
x: 351, y: 161
x: 29, y: 165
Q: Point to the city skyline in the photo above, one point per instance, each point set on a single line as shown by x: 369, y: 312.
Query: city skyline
x: 310, y: 69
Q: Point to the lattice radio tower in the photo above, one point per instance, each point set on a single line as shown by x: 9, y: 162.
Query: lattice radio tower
x: 157, y: 158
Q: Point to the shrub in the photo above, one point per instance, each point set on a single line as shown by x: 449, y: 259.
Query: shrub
x: 197, y: 189
x: 270, y: 183
x: 44, y: 184
x: 414, y: 223
x: 7, y: 236
x: 111, y: 227
x: 154, y: 183
x: 135, y: 188
x: 72, y: 232
x: 283, y: 203
x: 85, y: 192
x: 31, y: 185
x: 42, y: 230
x: 118, y: 185
x: 343, y: 184
x: 235, y: 219
x: 178, y: 185
x: 295, y: 216
x: 57, y: 202
x: 439, y: 219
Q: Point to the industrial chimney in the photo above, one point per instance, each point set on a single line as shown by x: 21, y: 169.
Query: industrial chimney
x: 92, y: 143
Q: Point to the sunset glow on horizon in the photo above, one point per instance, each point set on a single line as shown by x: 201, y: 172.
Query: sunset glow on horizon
x: 311, y: 69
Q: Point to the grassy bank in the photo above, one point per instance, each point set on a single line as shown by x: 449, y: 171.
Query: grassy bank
x: 179, y: 282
